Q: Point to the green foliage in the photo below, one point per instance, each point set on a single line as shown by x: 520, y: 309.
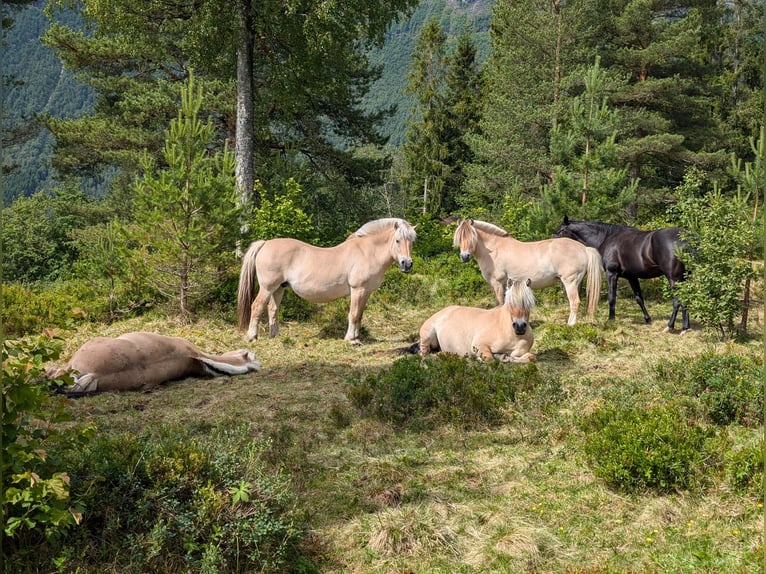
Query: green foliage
x: 178, y: 502
x: 743, y: 465
x: 722, y: 235
x: 635, y: 449
x: 186, y: 215
x: 29, y: 310
x: 37, y: 231
x: 587, y: 179
x: 728, y: 388
x: 282, y: 216
x: 119, y: 285
x: 35, y: 486
x: 442, y: 389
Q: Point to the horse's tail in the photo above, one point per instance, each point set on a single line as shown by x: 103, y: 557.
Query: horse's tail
x: 593, y: 284
x: 247, y: 283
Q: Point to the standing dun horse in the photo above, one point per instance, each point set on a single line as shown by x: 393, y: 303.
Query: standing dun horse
x: 501, y: 257
x: 143, y: 361
x: 503, y: 332
x: 353, y: 268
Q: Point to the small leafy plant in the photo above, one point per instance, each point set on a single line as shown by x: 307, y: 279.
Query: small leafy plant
x: 35, y: 486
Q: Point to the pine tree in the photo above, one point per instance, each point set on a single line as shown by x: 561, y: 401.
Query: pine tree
x: 587, y: 181
x: 665, y: 105
x: 186, y: 215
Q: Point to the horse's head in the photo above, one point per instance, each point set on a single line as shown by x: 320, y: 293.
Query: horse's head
x: 401, y: 244
x: 566, y: 229
x: 520, y: 300
x: 465, y: 239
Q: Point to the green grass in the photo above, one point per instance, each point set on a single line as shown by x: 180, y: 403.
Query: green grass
x: 518, y: 496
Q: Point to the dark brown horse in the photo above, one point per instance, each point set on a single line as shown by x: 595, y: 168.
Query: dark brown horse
x: 633, y: 254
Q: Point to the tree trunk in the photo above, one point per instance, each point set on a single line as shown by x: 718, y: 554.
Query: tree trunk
x: 244, y: 146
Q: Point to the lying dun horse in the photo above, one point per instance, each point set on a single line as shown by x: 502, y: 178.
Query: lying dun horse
x: 321, y: 274
x: 501, y: 257
x: 143, y: 361
x: 503, y: 332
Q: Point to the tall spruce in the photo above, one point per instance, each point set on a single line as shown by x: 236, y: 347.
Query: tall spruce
x: 532, y: 48
x: 425, y: 149
x: 447, y: 90
x: 463, y: 101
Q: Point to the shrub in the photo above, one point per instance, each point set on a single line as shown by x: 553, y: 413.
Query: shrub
x: 744, y: 465
x: 177, y: 503
x: 728, y: 388
x: 634, y: 449
x: 440, y: 389
x: 35, y: 485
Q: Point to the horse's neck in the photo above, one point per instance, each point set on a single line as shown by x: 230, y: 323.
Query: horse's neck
x: 489, y: 244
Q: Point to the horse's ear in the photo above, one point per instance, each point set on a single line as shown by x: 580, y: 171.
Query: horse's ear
x: 566, y: 220
x: 471, y: 221
x: 529, y: 282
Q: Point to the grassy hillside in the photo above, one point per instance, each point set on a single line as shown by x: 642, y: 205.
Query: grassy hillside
x: 516, y: 495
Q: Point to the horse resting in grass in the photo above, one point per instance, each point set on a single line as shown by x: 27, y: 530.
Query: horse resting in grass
x: 634, y: 254
x: 353, y: 268
x: 503, y: 332
x: 143, y: 361
x: 501, y: 257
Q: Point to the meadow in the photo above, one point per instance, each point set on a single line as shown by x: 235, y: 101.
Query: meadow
x: 530, y: 490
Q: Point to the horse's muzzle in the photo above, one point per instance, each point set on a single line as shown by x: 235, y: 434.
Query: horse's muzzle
x: 520, y: 327
x: 465, y: 257
x: 405, y: 265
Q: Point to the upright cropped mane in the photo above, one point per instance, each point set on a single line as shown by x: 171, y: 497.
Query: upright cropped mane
x: 404, y: 231
x: 490, y: 228
x: 520, y: 295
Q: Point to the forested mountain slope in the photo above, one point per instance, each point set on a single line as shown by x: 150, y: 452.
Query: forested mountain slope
x: 395, y: 57
x: 35, y: 83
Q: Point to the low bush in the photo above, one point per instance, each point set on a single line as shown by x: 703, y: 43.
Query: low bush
x: 37, y: 509
x: 177, y: 503
x: 635, y: 449
x: 726, y: 388
x: 425, y: 392
x: 743, y: 465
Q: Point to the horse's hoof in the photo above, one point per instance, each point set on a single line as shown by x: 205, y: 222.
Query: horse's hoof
x: 684, y: 331
x: 668, y: 330
x: 354, y: 342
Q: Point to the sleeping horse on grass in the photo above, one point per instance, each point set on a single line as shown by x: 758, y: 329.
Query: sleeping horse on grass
x: 143, y: 361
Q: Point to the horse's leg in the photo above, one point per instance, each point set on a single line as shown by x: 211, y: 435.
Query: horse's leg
x: 572, y: 289
x: 676, y: 306
x: 639, y: 298
x: 499, y: 288
x: 274, y: 302
x: 256, y: 310
x: 359, y: 298
x: 484, y: 352
x: 611, y: 280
